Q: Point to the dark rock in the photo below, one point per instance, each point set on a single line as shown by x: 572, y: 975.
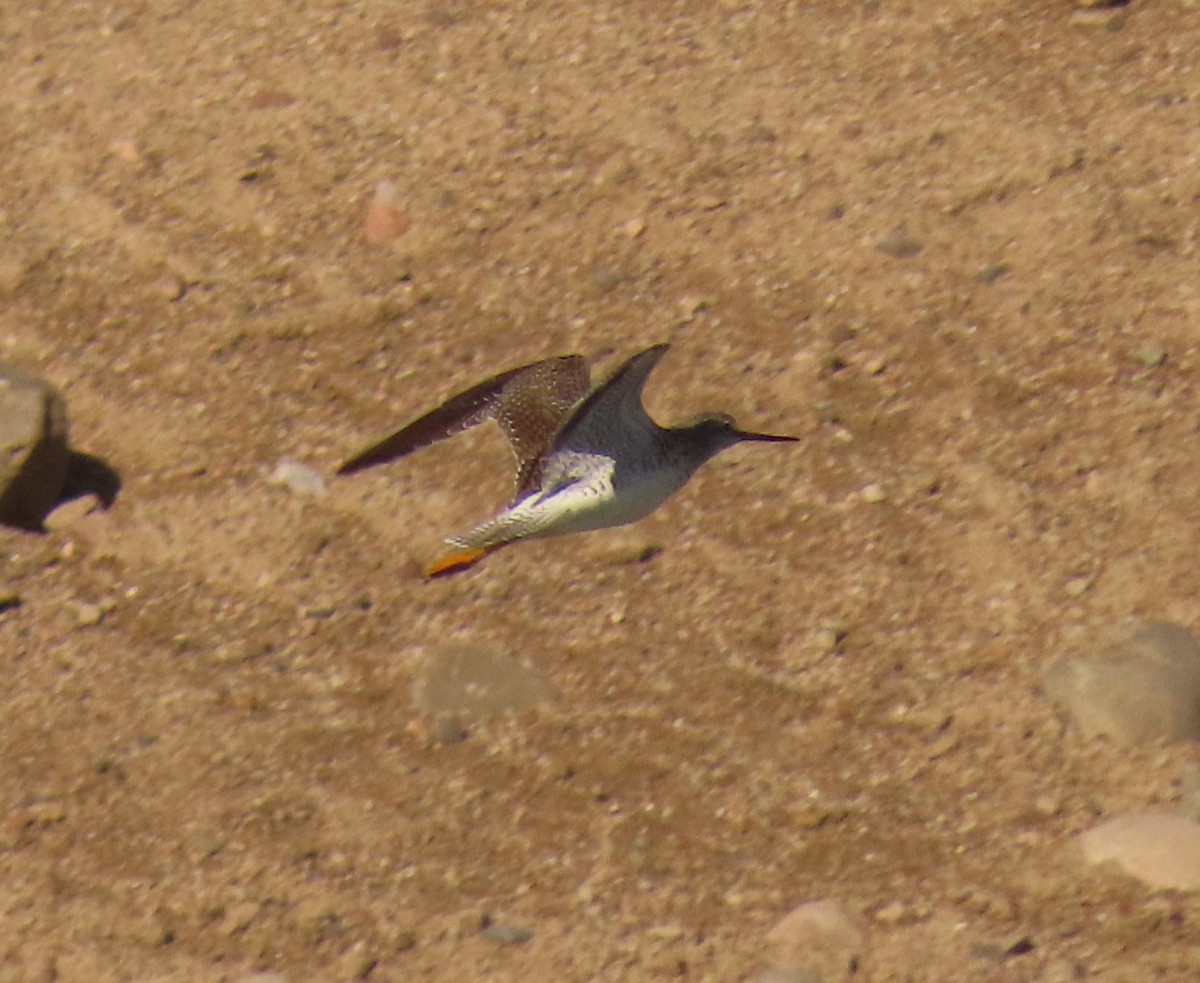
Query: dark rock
x: 34, y: 454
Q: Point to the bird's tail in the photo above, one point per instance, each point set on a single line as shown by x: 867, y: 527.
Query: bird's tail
x: 455, y: 562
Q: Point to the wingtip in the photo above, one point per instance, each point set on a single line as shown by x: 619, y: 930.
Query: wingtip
x: 364, y: 459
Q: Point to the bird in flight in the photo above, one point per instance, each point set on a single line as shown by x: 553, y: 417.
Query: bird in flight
x: 586, y: 458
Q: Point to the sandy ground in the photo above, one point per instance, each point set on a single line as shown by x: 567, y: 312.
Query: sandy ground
x: 211, y: 765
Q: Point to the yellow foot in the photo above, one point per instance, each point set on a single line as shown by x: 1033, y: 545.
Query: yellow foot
x: 454, y: 563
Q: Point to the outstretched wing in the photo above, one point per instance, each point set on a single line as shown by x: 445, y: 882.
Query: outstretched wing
x: 612, y: 407
x: 534, y: 405
x: 529, y: 403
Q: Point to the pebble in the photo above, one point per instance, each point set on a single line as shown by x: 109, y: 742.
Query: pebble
x: 899, y: 244
x: 691, y: 305
x: 448, y: 729
x: 819, y: 937
x: 1152, y: 356
x: 874, y: 494
x: 464, y: 679
x: 34, y: 452
x: 1160, y: 849
x: 385, y: 221
x: 633, y: 228
x: 1077, y: 586
x: 126, y: 150
x: 298, y: 478
x: 827, y: 638
x: 892, y: 913
x: 66, y: 515
x: 87, y: 614
x: 1144, y: 688
x: 506, y: 934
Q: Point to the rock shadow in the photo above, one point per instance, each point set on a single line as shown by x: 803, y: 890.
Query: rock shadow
x: 90, y: 475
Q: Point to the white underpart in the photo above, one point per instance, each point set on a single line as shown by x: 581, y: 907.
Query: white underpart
x: 577, y: 496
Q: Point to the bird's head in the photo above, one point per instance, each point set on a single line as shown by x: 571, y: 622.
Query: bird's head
x: 719, y: 430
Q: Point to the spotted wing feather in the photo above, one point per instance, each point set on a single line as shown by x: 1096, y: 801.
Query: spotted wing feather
x: 533, y: 407
x: 528, y: 402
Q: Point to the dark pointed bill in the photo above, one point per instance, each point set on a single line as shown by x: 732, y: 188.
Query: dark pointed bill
x: 766, y: 438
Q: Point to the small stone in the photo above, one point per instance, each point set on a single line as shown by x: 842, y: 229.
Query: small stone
x: 87, y: 615
x: 461, y: 679
x: 993, y: 272
x: 875, y: 366
x: 874, y: 494
x: 506, y: 934
x: 1159, y: 849
x: 271, y: 99
x: 385, y: 221
x: 828, y: 637
x: 34, y: 453
x: 449, y: 730
x: 169, y: 287
x: 1144, y: 688
x: 1077, y: 586
x: 298, y: 478
x: 892, y: 913
x: 125, y: 150
x: 624, y: 549
x: 633, y: 228
x: 69, y: 513
x: 710, y: 203
x: 47, y: 813
x: 1152, y: 356
x: 1047, y: 805
x: 820, y: 937
x: 999, y: 952
x: 899, y: 244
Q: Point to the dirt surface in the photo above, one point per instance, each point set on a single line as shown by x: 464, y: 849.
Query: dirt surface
x: 211, y: 765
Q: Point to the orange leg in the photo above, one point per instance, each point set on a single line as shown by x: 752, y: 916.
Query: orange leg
x: 454, y: 563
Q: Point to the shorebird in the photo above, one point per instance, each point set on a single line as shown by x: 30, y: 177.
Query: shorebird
x: 586, y: 459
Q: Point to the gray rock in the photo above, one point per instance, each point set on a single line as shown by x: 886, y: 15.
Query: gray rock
x: 899, y: 244
x: 1159, y: 849
x: 461, y: 679
x: 820, y: 938
x: 34, y: 453
x: 1144, y: 688
x: 506, y: 934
